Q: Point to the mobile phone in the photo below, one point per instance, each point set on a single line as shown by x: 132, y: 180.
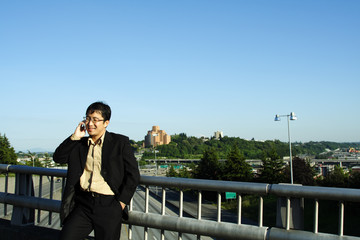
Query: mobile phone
x: 83, y: 127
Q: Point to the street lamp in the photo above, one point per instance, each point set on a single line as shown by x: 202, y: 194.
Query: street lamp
x: 154, y: 145
x: 156, y: 166
x: 291, y: 116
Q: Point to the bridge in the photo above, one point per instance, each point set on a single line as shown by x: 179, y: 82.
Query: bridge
x: 163, y: 204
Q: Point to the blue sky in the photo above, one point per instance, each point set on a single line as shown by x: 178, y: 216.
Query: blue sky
x: 188, y: 66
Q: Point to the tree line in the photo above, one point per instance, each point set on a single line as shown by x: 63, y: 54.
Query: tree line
x: 184, y: 147
x: 273, y: 170
x: 9, y: 156
x: 235, y: 150
x: 7, y: 152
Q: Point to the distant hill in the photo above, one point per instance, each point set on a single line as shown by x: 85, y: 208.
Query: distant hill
x: 39, y: 150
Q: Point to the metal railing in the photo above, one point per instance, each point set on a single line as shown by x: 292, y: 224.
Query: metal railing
x: 24, y: 198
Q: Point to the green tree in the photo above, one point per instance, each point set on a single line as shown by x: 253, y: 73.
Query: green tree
x: 7, y: 153
x: 181, y: 173
x: 354, y: 180
x: 236, y: 169
x: 303, y: 173
x: 336, y: 178
x: 47, y: 160
x: 135, y: 147
x: 273, y: 168
x: 184, y: 173
x: 209, y: 166
x: 171, y: 172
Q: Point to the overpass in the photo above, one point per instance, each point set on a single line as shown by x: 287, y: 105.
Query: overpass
x: 180, y: 160
x: 257, y: 162
x: 28, y: 203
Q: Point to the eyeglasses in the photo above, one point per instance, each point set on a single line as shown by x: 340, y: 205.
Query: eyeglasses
x: 94, y: 120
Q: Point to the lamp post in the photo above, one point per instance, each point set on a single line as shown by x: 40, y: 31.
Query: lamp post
x: 156, y: 166
x: 154, y: 145
x: 290, y: 116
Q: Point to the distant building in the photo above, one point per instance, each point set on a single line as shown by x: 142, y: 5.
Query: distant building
x: 324, y: 170
x: 204, y: 139
x: 355, y: 169
x: 218, y: 135
x: 156, y: 137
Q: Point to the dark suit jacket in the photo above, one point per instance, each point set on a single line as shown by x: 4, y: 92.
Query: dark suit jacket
x: 119, y: 168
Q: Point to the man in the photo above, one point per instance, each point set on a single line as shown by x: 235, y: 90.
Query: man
x: 101, y: 179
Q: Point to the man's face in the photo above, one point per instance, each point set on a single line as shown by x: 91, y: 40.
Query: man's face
x: 96, y: 126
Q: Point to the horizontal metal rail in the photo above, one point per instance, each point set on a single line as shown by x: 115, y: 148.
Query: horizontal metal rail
x: 33, y: 170
x: 327, y: 193
x: 30, y: 202
x: 282, y: 234
x: 201, y: 227
x: 283, y: 190
x: 225, y: 230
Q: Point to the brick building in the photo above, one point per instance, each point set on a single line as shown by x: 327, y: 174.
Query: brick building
x: 156, y: 137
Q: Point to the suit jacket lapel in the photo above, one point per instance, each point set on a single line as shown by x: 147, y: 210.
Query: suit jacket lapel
x: 106, y: 150
x: 83, y: 152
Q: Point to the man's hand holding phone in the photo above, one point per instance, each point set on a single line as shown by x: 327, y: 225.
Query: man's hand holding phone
x: 80, y: 130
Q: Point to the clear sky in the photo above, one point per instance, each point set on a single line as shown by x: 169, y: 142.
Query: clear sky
x: 192, y: 66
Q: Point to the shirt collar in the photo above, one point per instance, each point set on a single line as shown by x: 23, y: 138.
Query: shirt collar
x: 100, y: 142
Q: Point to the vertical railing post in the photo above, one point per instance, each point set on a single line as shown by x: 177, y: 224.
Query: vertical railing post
x: 40, y: 195
x: 51, y: 196
x: 146, y: 210
x: 163, y: 207
x: 6, y: 190
x: 261, y: 211
x: 22, y: 216
x: 219, y: 208
x: 316, y: 216
x: 341, y: 218
x: 181, y: 203
x: 199, y: 210
x: 181, y: 209
x: 290, y: 212
x: 199, y: 206
x: 239, y: 208
x: 130, y: 226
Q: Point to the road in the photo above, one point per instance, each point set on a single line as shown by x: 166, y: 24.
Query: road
x: 155, y: 207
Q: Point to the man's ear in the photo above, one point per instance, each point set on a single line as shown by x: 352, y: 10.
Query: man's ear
x: 106, y: 123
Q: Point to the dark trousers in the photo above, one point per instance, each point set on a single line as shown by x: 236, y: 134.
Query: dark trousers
x: 101, y: 213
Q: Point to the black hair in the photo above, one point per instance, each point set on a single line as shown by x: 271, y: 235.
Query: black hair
x: 101, y: 107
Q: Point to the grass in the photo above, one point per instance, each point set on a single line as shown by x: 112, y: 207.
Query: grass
x: 9, y: 174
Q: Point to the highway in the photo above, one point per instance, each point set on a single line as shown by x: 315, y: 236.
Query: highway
x: 155, y: 207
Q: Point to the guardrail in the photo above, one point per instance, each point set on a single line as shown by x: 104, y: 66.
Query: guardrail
x: 24, y: 200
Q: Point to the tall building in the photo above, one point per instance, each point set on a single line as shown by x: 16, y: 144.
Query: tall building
x: 218, y: 135
x: 156, y: 137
